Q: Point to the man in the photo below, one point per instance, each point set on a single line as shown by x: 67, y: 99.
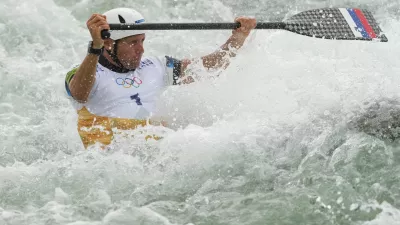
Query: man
x: 114, y: 87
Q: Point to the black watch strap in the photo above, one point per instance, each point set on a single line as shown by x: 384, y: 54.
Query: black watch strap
x: 94, y: 51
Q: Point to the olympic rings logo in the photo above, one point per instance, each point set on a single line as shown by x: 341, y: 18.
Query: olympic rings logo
x: 128, y: 82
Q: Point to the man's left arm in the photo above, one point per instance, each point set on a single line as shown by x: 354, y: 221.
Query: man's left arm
x: 221, y: 57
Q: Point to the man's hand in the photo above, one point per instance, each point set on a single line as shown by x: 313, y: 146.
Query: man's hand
x: 96, y: 24
x: 246, y: 25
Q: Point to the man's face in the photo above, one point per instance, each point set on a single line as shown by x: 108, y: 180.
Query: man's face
x: 130, y: 50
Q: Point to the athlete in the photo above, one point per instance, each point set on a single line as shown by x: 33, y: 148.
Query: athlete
x: 115, y: 87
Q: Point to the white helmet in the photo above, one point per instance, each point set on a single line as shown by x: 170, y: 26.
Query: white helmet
x: 124, y: 15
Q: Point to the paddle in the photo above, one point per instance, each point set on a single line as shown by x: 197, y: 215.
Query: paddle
x: 327, y: 23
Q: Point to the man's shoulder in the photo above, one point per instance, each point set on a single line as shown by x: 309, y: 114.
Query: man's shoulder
x: 164, y: 61
x: 149, y: 62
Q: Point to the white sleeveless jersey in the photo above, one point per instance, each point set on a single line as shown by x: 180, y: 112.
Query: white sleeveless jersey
x: 130, y: 95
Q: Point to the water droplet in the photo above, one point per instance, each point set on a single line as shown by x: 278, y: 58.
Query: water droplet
x: 354, y: 206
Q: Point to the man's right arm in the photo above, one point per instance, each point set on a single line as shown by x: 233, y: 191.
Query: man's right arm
x: 82, y: 80
x: 80, y: 84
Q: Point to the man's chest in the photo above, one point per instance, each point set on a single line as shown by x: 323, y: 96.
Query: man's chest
x: 127, y: 88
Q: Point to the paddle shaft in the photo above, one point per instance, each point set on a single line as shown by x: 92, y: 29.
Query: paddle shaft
x: 189, y: 26
x: 192, y: 26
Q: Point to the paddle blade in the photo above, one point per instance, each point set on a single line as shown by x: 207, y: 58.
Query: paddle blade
x: 336, y: 23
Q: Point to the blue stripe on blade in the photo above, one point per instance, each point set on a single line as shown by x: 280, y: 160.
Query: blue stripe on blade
x: 360, y: 26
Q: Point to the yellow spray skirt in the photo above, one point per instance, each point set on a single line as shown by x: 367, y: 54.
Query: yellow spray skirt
x: 93, y: 129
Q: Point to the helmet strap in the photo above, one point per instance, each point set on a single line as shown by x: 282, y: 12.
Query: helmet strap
x: 114, y: 56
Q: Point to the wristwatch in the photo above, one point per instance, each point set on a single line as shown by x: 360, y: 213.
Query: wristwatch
x: 95, y: 51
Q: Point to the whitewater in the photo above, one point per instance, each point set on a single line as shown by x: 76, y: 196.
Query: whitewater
x: 297, y: 130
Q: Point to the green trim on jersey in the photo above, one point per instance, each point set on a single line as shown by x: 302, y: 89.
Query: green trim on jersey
x: 71, y: 74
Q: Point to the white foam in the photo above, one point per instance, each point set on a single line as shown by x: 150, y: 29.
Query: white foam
x: 389, y: 215
x: 255, y: 122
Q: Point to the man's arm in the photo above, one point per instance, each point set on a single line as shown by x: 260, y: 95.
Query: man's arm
x: 81, y: 82
x: 220, y: 58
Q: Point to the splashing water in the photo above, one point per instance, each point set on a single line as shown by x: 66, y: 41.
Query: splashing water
x: 295, y: 131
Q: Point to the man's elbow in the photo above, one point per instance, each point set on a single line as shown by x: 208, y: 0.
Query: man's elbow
x: 78, y: 96
x: 82, y: 100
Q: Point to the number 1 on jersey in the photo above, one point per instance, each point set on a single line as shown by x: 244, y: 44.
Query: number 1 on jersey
x: 136, y: 98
